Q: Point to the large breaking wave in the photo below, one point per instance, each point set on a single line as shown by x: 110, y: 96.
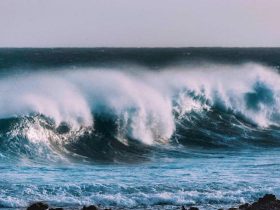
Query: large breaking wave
x: 118, y: 114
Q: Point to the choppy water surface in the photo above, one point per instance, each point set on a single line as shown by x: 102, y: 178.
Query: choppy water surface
x: 205, y: 180
x: 146, y: 134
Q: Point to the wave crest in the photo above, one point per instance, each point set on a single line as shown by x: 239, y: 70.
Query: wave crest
x: 103, y: 112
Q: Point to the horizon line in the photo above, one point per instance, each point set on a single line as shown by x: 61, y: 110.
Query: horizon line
x: 197, y: 47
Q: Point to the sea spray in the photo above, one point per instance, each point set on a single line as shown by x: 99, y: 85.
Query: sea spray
x: 135, y: 105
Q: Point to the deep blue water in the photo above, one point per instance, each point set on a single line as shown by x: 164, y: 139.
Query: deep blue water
x: 139, y: 128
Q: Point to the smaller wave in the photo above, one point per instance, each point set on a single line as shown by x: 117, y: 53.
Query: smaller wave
x: 139, y: 197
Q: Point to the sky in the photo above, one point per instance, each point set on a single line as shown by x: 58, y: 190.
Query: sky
x: 139, y: 23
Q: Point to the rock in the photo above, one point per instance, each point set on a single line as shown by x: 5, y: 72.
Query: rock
x: 268, y: 202
x: 56, y: 209
x: 91, y: 207
x: 193, y: 208
x: 183, y: 208
x: 38, y: 206
x: 267, y: 198
x: 244, y: 206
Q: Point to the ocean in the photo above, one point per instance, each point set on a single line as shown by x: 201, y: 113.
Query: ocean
x: 139, y: 128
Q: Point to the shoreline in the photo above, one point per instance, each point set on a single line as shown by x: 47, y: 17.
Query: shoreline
x: 267, y: 202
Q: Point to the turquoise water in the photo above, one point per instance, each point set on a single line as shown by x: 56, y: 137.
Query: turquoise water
x: 208, y: 180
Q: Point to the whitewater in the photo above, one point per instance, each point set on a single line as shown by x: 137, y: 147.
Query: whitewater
x: 132, y: 137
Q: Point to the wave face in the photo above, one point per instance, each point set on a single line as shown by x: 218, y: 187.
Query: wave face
x: 124, y: 114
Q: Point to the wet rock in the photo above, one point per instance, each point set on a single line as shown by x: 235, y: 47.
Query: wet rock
x: 244, y: 206
x: 38, y: 206
x: 56, y: 209
x: 91, y: 207
x: 268, y: 202
x: 267, y: 198
x: 193, y: 208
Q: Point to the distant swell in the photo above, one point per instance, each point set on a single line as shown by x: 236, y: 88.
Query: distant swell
x: 125, y: 114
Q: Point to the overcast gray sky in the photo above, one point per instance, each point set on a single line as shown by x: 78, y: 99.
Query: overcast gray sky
x: 139, y: 23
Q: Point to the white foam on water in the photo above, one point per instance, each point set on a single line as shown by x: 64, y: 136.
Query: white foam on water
x: 143, y: 101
